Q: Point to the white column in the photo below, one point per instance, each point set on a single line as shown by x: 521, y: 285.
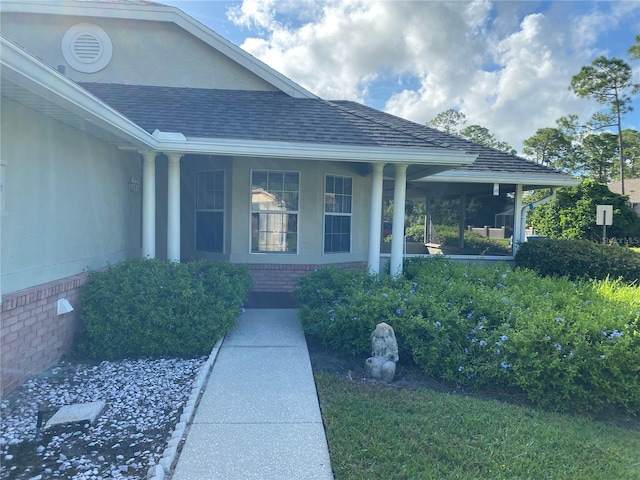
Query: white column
x: 518, y: 226
x: 149, y: 204
x: 375, y: 218
x: 397, y: 234
x: 462, y: 220
x: 173, y: 208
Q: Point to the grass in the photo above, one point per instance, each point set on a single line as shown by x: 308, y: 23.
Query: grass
x: 380, y: 433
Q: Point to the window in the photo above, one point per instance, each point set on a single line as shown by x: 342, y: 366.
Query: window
x: 274, y: 211
x: 337, y: 214
x: 210, y: 211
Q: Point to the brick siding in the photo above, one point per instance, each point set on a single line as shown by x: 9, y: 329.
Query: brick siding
x: 32, y: 335
x: 283, y: 277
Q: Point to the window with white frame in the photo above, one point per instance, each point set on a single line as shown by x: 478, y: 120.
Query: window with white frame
x: 338, y: 192
x: 210, y: 211
x: 274, y: 211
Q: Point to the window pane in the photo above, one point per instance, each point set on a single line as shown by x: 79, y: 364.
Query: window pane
x: 329, y: 184
x: 218, y: 200
x: 347, y: 186
x: 219, y: 181
x: 291, y: 181
x: 259, y: 180
x: 276, y: 182
x: 209, y: 231
x: 339, y: 184
x: 337, y: 233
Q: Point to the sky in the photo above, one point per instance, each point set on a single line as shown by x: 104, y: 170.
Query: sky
x: 507, y: 65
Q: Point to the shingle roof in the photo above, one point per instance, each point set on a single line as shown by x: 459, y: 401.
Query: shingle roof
x: 277, y: 117
x: 247, y: 115
x: 489, y: 159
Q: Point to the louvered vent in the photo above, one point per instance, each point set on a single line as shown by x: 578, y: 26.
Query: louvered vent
x: 87, y: 48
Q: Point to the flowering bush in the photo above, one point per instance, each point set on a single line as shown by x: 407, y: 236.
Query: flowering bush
x: 564, y: 345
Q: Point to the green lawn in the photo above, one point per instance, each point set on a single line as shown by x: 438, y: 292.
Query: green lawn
x: 377, y: 433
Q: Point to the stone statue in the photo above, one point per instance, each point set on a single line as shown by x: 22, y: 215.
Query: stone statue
x: 384, y: 350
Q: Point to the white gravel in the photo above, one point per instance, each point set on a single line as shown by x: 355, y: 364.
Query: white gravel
x: 144, y: 402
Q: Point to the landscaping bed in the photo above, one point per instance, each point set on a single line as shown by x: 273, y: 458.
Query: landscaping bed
x: 144, y: 400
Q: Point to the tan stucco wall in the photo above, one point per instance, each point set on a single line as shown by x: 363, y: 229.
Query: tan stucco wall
x: 311, y: 214
x: 144, y: 53
x: 67, y: 200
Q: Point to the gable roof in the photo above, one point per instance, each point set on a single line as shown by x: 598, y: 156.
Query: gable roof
x: 153, y: 11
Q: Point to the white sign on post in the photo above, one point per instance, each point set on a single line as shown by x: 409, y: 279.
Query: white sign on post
x: 604, y: 215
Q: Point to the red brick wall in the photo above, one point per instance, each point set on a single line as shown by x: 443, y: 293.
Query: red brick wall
x: 282, y: 277
x: 32, y: 335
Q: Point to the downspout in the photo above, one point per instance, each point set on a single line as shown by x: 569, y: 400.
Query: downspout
x: 523, y: 217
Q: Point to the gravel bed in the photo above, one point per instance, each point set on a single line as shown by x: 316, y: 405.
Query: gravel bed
x: 144, y: 400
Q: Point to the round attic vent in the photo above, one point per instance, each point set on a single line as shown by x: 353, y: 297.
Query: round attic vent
x: 87, y: 48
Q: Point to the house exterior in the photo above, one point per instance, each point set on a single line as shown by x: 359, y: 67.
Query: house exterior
x: 631, y: 189
x: 129, y: 129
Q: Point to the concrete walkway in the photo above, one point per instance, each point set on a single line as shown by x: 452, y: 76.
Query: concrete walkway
x: 259, y: 416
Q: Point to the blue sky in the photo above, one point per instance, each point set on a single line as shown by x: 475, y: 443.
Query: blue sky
x: 506, y: 65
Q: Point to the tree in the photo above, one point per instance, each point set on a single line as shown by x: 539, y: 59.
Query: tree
x: 600, y: 151
x: 571, y: 214
x: 452, y: 121
x: 549, y: 146
x: 609, y: 82
x: 449, y: 121
x: 482, y: 135
x: 631, y: 141
x: 634, y: 50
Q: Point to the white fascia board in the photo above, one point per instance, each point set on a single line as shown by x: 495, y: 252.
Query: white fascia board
x: 550, y: 180
x: 168, y: 14
x: 31, y: 73
x: 317, y: 151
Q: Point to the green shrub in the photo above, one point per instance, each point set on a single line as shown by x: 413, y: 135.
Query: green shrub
x: 579, y: 259
x: 148, y: 308
x: 564, y: 345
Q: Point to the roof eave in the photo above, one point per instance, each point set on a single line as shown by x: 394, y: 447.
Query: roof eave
x: 19, y: 66
x: 316, y: 151
x: 533, y: 180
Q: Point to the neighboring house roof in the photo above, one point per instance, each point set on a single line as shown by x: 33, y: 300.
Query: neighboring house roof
x: 631, y: 188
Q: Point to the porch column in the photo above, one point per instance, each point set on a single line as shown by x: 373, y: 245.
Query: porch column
x: 375, y: 218
x: 518, y: 227
x: 397, y: 233
x: 148, y: 204
x: 463, y: 220
x: 173, y: 208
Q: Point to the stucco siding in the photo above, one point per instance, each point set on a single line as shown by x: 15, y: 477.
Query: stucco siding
x: 144, y: 53
x: 68, y: 205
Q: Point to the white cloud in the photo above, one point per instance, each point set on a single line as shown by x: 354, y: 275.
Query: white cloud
x: 507, y: 70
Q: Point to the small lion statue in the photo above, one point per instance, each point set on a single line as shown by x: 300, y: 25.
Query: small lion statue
x: 384, y: 350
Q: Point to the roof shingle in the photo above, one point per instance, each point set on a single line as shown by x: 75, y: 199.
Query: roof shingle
x: 277, y: 117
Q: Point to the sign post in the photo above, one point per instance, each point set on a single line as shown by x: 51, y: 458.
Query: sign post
x: 604, y: 217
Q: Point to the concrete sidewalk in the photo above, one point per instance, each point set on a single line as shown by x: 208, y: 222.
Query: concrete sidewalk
x: 259, y: 416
